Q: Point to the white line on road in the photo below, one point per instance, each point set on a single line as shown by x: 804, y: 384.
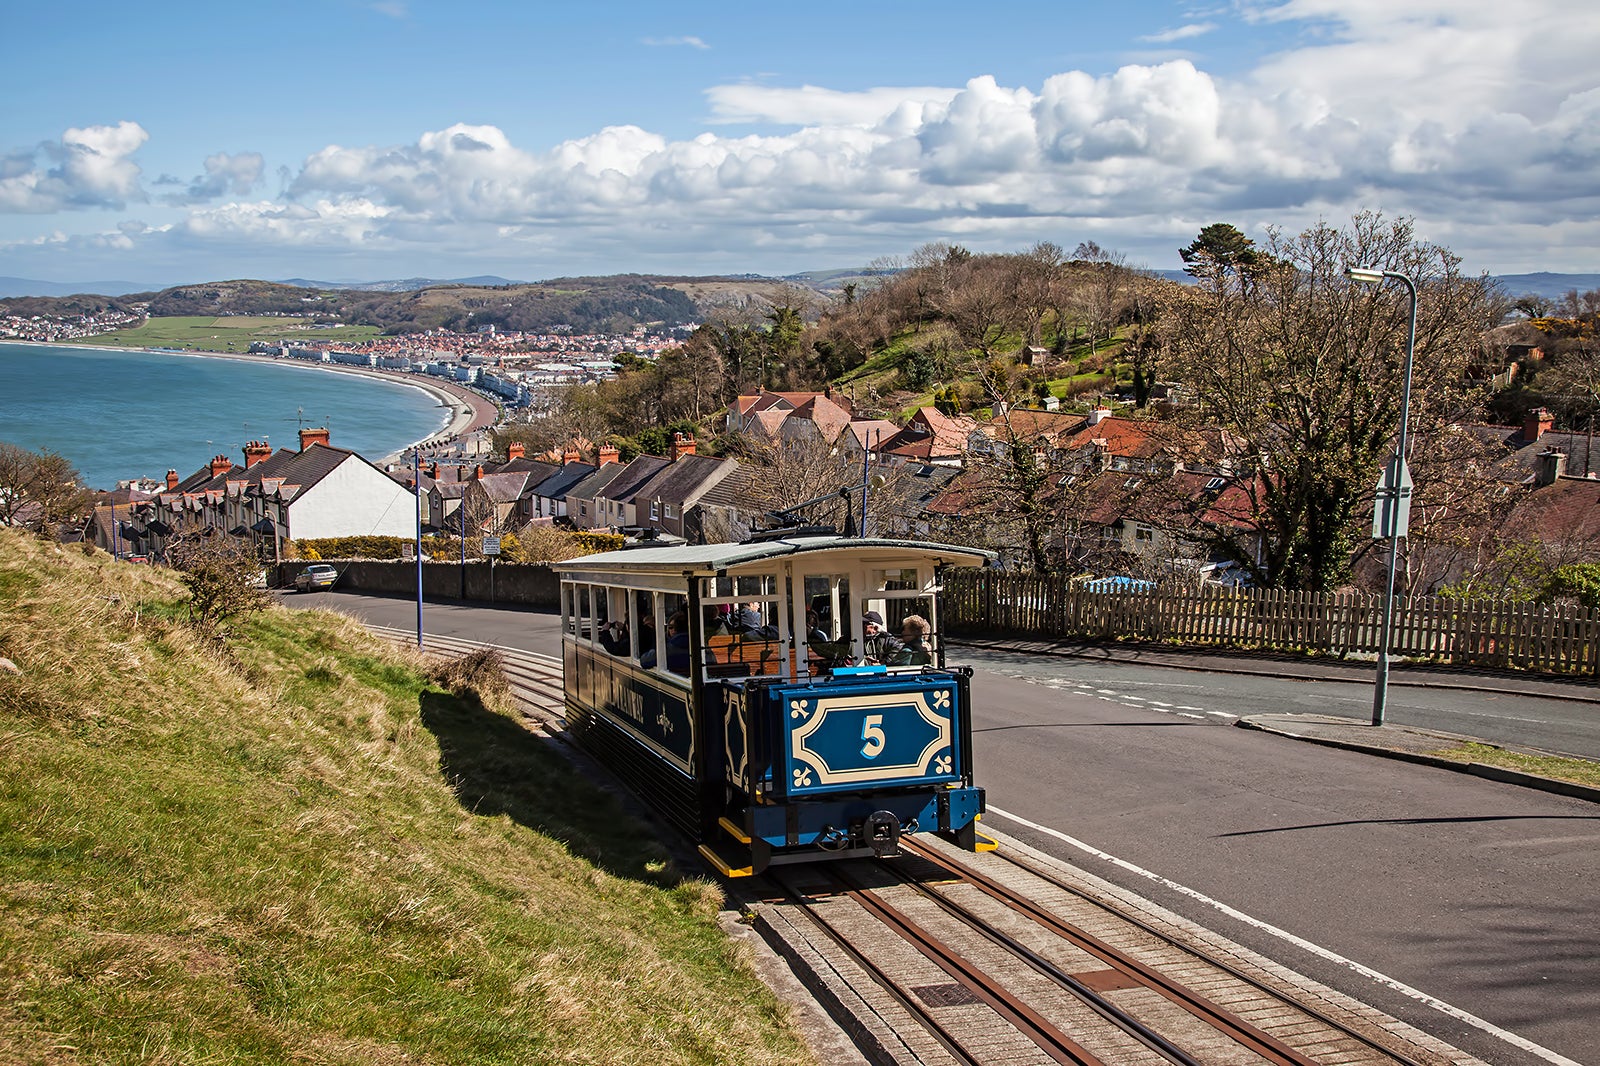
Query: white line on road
x: 1440, y: 1005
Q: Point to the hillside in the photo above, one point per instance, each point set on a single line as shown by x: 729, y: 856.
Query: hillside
x: 586, y: 305
x: 295, y: 848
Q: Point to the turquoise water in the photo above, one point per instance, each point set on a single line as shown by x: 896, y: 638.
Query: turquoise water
x: 121, y: 415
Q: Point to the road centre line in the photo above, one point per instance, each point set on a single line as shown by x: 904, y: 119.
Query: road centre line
x: 1506, y: 1036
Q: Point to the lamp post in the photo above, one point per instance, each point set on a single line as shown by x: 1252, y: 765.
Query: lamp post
x: 1376, y: 276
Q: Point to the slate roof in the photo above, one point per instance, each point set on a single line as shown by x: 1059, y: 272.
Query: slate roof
x: 557, y: 485
x: 681, y: 481
x: 595, y: 484
x: 625, y: 486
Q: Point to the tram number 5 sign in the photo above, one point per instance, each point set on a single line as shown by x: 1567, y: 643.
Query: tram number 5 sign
x: 872, y: 733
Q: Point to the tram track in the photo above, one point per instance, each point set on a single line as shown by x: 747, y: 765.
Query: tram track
x: 995, y: 959
x: 1103, y: 986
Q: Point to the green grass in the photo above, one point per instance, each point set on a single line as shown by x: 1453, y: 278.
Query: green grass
x: 1556, y: 767
x: 234, y: 333
x: 296, y: 848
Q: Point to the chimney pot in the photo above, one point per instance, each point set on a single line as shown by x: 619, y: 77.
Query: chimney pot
x: 1552, y: 465
x: 1537, y: 424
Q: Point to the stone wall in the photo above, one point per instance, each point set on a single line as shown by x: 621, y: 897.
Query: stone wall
x: 531, y: 585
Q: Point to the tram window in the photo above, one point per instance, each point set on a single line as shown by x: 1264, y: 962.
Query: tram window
x: 901, y: 579
x: 585, y: 619
x: 645, y: 628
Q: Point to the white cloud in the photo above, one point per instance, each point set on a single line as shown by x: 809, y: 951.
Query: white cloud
x: 809, y: 105
x: 1180, y: 33
x: 675, y: 42
x: 226, y: 175
x: 92, y: 168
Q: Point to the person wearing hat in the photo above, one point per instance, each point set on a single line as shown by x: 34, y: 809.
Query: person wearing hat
x: 877, y: 646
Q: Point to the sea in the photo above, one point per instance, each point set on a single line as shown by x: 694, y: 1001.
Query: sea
x: 120, y: 415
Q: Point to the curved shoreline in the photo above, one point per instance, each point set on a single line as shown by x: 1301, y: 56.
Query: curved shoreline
x: 469, y: 411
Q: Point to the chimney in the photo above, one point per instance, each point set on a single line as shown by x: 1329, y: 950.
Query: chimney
x: 1537, y: 424
x: 681, y: 445
x: 571, y: 455
x: 515, y: 450
x: 433, y: 470
x: 477, y: 472
x: 1099, y: 415
x: 1552, y: 465
x: 220, y: 465
x: 172, y: 480
x: 308, y: 437
x: 609, y: 454
x: 255, y: 451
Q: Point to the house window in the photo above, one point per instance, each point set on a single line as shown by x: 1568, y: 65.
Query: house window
x: 655, y: 508
x: 1144, y: 533
x: 670, y: 511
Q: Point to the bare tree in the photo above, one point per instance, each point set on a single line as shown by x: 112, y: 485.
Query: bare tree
x: 38, y: 489
x: 1303, y: 368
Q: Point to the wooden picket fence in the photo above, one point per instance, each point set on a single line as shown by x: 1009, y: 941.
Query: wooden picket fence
x: 1552, y: 638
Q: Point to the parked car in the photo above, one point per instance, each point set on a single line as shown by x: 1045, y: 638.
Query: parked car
x: 316, y: 576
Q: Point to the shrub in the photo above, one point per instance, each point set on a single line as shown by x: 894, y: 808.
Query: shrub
x: 480, y: 674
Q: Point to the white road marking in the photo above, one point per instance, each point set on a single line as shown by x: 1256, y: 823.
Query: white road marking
x: 1222, y: 714
x: 1439, y: 1005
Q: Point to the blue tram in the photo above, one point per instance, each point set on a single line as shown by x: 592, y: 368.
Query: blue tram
x: 739, y: 689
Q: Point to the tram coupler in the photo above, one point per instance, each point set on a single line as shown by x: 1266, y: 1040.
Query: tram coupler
x: 881, y: 831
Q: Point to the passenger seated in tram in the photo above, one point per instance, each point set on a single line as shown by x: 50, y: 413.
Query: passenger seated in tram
x: 877, y: 646
x: 915, y: 649
x: 678, y: 643
x: 614, y: 637
x: 647, y: 641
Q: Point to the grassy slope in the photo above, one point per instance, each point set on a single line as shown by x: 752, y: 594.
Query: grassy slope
x: 232, y: 333
x: 296, y: 849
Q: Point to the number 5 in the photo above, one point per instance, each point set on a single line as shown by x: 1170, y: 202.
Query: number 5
x: 872, y: 733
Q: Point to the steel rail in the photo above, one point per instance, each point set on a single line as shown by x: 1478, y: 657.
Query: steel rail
x: 1240, y: 1031
x: 1027, y: 1021
x: 875, y: 971
x: 1095, y: 1000
x: 1400, y: 1058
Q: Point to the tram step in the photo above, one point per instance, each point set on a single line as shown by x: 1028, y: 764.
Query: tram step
x: 739, y: 867
x: 734, y: 830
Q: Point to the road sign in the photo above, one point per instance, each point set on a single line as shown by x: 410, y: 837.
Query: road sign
x: 1391, y: 511
x: 491, y: 545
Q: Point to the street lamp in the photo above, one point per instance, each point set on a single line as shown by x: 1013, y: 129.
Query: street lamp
x: 1395, y: 479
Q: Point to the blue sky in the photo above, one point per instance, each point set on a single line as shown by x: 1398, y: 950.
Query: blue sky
x: 353, y: 140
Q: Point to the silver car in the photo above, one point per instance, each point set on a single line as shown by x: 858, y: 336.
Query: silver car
x: 316, y: 576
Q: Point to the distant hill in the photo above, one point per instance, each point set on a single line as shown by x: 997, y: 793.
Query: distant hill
x: 1550, y: 286
x: 401, y: 285
x: 32, y: 287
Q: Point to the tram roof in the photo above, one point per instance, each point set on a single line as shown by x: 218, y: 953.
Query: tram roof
x: 711, y: 558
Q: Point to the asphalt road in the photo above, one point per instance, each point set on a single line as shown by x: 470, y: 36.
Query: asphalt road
x: 1482, y: 895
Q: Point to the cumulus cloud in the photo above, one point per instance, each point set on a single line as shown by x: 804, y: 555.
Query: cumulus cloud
x: 226, y: 175
x: 92, y: 168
